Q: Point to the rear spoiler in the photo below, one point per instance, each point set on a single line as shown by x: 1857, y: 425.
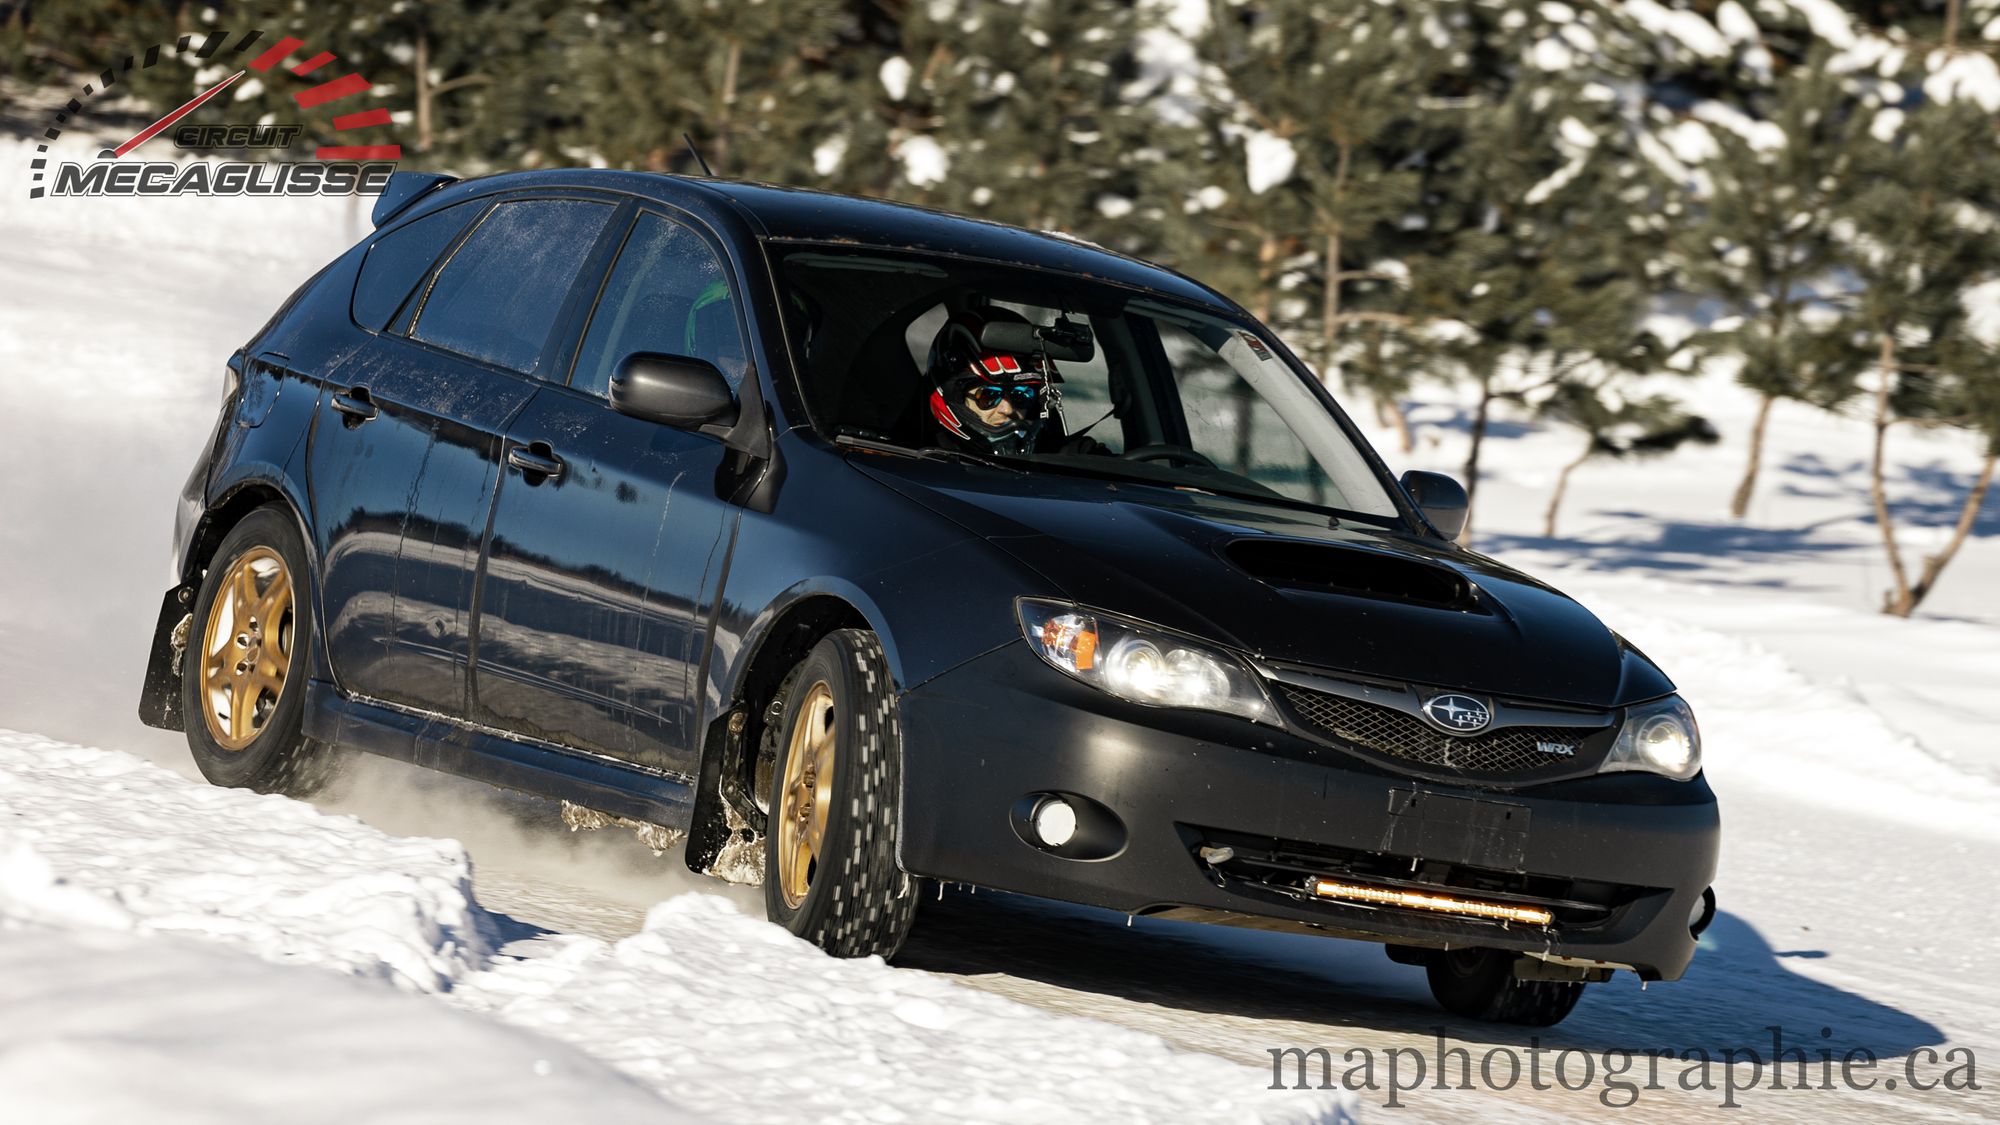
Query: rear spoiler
x: 405, y: 188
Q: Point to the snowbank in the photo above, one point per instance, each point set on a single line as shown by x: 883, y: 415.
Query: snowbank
x: 265, y: 874
x: 789, y: 1032
x: 105, y: 1026
x: 716, y: 1011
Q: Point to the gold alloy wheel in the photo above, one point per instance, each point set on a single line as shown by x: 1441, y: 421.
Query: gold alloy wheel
x: 246, y: 648
x: 807, y: 794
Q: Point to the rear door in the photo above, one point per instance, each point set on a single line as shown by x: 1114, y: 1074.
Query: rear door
x: 480, y: 339
x: 605, y: 552
x: 370, y: 440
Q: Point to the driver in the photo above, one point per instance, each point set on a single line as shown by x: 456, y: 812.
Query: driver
x: 986, y: 401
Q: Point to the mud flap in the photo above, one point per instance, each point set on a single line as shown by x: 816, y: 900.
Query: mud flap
x: 160, y: 695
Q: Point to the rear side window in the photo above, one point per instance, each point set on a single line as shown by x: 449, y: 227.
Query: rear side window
x: 399, y: 259
x: 498, y: 297
x: 667, y: 294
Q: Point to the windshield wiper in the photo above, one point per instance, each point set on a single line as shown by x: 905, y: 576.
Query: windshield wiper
x: 933, y: 453
x: 1265, y: 496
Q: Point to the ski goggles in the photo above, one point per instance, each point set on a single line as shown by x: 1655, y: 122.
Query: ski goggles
x: 986, y: 396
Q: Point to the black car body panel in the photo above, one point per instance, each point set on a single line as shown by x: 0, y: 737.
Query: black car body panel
x: 516, y: 582
x: 1171, y: 557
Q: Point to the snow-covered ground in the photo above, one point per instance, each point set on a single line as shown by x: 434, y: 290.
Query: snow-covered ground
x: 165, y: 945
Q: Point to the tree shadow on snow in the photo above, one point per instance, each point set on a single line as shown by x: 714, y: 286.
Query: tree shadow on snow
x: 1929, y: 495
x: 1736, y: 989
x: 1667, y: 546
x: 1458, y: 419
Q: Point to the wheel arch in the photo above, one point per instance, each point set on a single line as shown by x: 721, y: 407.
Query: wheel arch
x: 235, y: 499
x: 777, y: 642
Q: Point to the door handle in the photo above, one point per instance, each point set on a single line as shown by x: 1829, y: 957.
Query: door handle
x: 356, y: 404
x: 537, y: 459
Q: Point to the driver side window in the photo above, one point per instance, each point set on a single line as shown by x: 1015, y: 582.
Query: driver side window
x: 668, y: 293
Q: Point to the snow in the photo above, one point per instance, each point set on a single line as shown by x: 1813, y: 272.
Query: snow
x: 828, y: 154
x: 272, y: 875
x: 895, y: 76
x: 925, y: 162
x: 1828, y: 21
x: 1206, y: 199
x: 1886, y: 124
x: 1736, y: 24
x: 1761, y: 136
x: 1680, y: 25
x: 105, y: 1026
x: 1982, y: 312
x: 711, y: 1009
x: 1269, y: 160
x: 1964, y: 76
x: 1188, y: 18
x: 1550, y: 54
x: 1690, y: 142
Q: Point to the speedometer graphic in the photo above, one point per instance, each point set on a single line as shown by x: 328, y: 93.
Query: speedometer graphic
x: 359, y: 162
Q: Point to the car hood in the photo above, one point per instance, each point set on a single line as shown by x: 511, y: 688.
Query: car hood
x: 1287, y: 585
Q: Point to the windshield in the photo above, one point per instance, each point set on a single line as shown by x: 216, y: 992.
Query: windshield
x: 1053, y: 373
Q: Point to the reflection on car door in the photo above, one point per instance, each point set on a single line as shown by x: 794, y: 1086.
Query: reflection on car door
x: 608, y: 538
x: 369, y: 442
x: 450, y: 382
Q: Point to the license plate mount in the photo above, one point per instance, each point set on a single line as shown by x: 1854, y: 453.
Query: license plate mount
x: 1465, y: 830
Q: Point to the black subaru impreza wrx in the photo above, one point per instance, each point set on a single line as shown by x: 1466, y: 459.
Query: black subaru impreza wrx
x: 864, y: 544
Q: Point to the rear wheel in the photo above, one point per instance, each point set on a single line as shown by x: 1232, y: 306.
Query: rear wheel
x: 243, y: 673
x: 1480, y: 984
x: 830, y: 873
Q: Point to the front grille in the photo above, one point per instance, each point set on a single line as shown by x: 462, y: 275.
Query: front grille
x: 1384, y: 730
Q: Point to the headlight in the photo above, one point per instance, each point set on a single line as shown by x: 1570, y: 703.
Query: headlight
x: 1658, y: 737
x: 1142, y: 664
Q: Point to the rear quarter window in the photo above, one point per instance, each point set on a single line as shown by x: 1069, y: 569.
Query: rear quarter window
x: 400, y: 259
x: 497, y: 298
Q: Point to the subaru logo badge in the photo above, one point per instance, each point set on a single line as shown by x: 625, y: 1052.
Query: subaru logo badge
x: 1459, y: 714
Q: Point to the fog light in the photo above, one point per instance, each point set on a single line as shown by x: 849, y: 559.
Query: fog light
x: 1055, y: 821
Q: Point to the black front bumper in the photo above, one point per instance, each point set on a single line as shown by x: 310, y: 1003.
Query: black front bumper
x: 1629, y: 854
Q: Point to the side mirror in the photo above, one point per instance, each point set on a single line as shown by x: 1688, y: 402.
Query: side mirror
x: 674, y: 390
x: 1440, y: 498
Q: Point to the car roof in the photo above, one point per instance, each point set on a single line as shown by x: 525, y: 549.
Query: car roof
x: 804, y: 215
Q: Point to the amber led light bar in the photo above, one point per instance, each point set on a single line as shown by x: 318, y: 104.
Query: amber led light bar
x: 1443, y: 904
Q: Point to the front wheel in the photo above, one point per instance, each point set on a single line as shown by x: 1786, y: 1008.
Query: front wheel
x: 243, y: 673
x: 1480, y: 984
x: 830, y: 873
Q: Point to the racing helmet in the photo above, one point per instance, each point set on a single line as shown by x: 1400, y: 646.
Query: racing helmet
x: 997, y: 400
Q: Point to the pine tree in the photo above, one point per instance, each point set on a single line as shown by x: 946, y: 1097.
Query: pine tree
x: 1323, y: 106
x: 1765, y: 242
x: 1926, y: 230
x: 1532, y: 273
x: 1021, y: 112
x: 749, y: 82
x: 1615, y: 424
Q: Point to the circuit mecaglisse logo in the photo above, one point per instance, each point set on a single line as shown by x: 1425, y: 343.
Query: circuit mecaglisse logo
x: 361, y: 167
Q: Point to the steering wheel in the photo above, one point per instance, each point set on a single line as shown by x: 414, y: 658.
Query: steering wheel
x: 1168, y: 453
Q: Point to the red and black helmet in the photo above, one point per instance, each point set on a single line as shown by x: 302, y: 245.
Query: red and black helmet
x: 968, y: 379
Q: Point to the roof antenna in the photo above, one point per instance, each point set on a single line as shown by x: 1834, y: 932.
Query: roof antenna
x: 696, y: 153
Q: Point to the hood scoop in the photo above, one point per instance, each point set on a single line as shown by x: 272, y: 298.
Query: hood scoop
x: 1353, y: 571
